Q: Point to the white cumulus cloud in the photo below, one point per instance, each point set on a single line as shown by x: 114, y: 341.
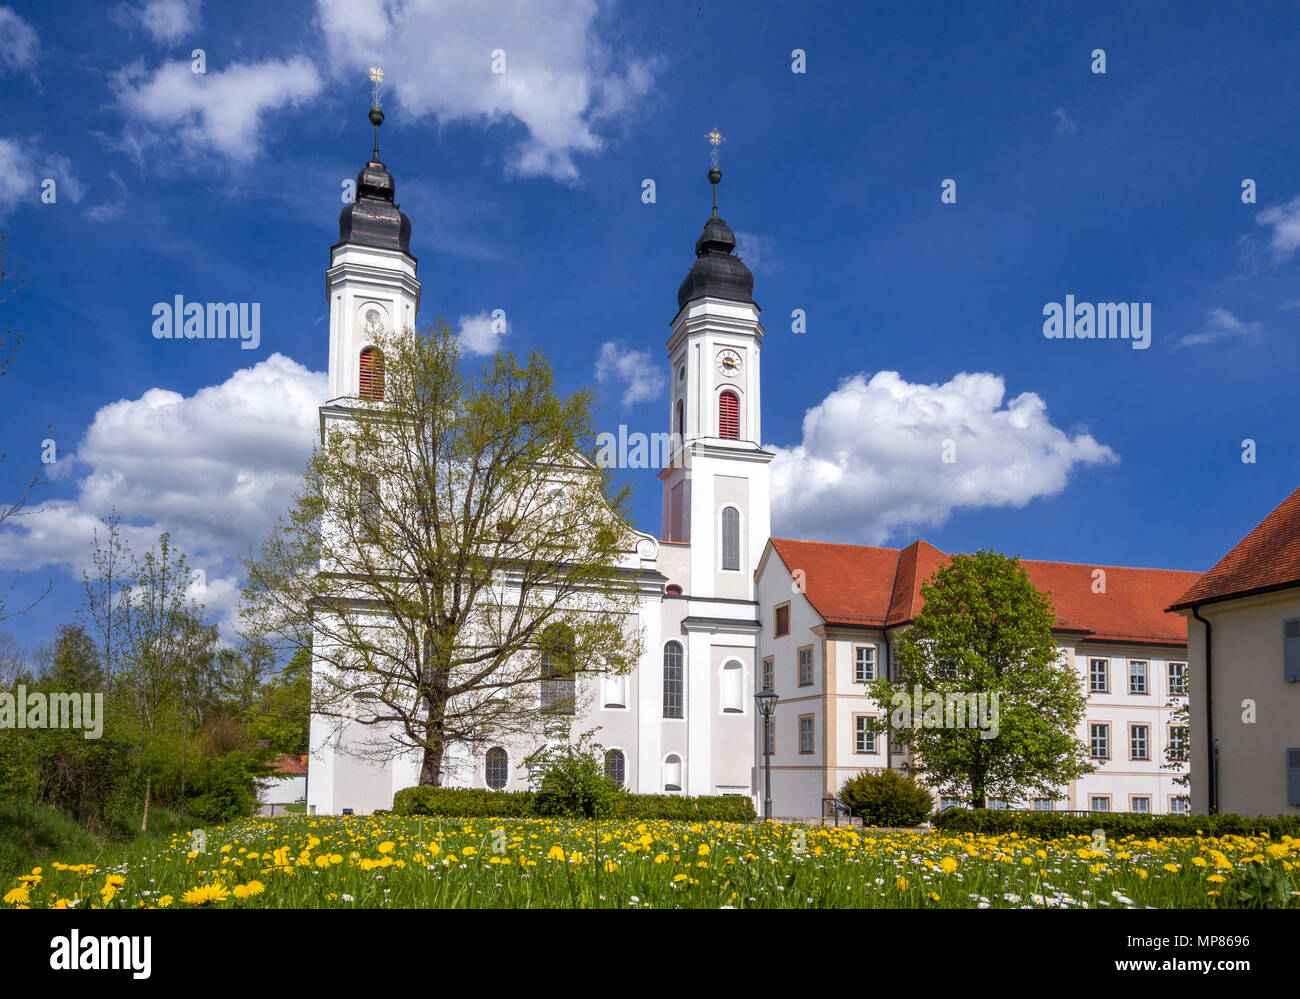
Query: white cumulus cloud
x: 1284, y: 220
x: 19, y: 46
x: 1220, y: 324
x: 481, y: 334
x: 871, y: 462
x: 222, y: 110
x: 555, y: 77
x: 635, y: 372
x: 168, y: 21
x: 24, y: 169
x: 214, y: 468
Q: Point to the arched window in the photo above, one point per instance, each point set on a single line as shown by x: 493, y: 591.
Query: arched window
x: 616, y: 766
x: 733, y: 688
x: 673, y: 680
x: 496, y: 769
x: 679, y: 425
x: 557, y: 670
x: 730, y: 538
x: 673, y: 773
x: 729, y: 416
x: 372, y: 374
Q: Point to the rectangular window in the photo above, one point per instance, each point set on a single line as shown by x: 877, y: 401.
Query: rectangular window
x: 1179, y: 805
x: 1293, y: 776
x: 865, y: 741
x: 1177, y: 679
x: 768, y: 678
x: 1043, y: 804
x: 1139, y: 742
x: 998, y: 803
x: 805, y: 666
x: 805, y: 733
x: 781, y: 620
x: 1140, y: 804
x: 949, y: 803
x: 1137, y: 676
x: 1100, y: 803
x: 1291, y: 650
x: 864, y: 663
x: 1099, y: 676
x: 1099, y: 741
x: 1178, y: 737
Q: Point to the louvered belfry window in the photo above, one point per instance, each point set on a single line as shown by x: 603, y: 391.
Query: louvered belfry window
x: 729, y: 416
x: 372, y: 374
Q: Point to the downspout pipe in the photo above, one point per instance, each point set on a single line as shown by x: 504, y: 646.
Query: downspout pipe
x: 1212, y: 783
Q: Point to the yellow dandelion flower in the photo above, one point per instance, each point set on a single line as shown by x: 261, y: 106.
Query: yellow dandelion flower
x: 661, y: 858
x: 206, y: 893
x: 18, y: 896
x: 1216, y: 879
x: 165, y: 901
x: 386, y: 846
x: 901, y: 884
x: 556, y: 852
x: 949, y: 864
x: 679, y: 877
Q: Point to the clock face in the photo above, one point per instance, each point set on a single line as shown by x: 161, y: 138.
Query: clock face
x: 729, y: 363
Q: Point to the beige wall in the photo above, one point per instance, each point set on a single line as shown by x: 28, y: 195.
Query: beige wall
x: 1248, y: 666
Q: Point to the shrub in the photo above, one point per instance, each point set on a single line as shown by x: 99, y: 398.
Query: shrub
x: 450, y: 802
x: 467, y: 803
x: 1116, y: 825
x: 575, y: 786
x: 887, y: 798
x: 226, y: 788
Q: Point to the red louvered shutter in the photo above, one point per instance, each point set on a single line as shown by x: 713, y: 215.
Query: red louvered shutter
x: 372, y: 374
x: 729, y: 416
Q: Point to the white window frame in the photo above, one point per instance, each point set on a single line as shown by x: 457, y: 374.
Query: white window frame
x: 857, y: 664
x: 1146, y: 677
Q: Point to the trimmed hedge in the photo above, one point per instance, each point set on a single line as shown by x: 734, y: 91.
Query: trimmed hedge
x: 1117, y: 825
x: 452, y: 802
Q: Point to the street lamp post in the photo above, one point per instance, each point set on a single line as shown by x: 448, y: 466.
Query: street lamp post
x: 766, y: 701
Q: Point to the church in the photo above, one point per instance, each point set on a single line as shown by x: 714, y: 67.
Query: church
x: 727, y: 610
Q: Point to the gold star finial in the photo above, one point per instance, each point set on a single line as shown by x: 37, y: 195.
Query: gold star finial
x: 376, y: 78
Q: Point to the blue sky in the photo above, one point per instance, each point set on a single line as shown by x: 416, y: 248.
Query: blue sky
x: 524, y: 191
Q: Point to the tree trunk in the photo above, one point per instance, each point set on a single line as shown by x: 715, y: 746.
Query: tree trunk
x: 431, y: 768
x: 148, y: 784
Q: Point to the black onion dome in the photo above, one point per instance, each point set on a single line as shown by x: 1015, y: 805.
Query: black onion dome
x: 716, y: 271
x: 373, y: 219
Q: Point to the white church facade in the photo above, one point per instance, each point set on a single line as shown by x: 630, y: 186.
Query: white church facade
x: 713, y: 584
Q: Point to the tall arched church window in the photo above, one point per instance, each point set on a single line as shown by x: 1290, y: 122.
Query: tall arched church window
x: 372, y: 374
x: 673, y: 680
x: 730, y: 538
x: 729, y: 416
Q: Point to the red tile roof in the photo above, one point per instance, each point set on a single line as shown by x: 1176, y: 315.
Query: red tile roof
x: 881, y: 587
x: 289, y: 766
x: 1265, y: 559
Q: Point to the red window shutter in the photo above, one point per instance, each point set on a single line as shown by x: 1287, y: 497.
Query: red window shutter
x: 372, y: 374
x: 728, y: 416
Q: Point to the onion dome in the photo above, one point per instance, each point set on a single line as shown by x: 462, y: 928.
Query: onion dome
x: 717, y: 272
x: 373, y: 218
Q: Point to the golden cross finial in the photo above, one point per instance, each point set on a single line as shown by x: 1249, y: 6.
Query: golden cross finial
x: 715, y: 140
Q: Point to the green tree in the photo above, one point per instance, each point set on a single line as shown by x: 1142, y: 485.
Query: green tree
x: 281, y: 712
x: 163, y: 642
x: 984, y: 629
x: 443, y: 538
